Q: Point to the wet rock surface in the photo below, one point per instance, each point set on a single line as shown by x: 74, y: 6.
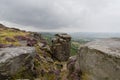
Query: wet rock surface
x: 100, y: 60
x: 61, y: 47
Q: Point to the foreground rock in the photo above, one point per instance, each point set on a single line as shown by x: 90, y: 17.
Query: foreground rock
x: 17, y: 63
x: 27, y: 56
x: 100, y: 60
x: 61, y: 47
x: 73, y: 73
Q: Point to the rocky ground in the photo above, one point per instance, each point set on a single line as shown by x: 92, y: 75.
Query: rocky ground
x: 99, y: 60
x: 26, y: 55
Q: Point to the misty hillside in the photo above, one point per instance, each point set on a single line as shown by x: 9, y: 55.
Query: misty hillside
x: 92, y: 35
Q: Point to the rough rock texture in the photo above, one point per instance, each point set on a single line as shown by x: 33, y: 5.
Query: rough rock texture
x: 100, y: 60
x: 73, y: 73
x: 14, y: 61
x: 18, y: 61
x: 61, y: 47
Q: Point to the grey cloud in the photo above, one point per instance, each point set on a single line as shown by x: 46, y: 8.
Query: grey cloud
x: 40, y: 13
x: 55, y: 14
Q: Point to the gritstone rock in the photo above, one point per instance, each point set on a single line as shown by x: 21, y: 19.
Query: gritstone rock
x: 61, y: 47
x: 100, y: 60
x: 16, y: 60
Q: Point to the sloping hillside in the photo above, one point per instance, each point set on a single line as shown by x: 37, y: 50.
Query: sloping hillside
x: 26, y: 55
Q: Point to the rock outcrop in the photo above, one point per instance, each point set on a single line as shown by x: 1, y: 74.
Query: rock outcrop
x: 26, y: 55
x: 15, y: 62
x: 100, y: 60
x: 61, y: 47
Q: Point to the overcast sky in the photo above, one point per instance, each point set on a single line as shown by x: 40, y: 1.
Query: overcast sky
x: 62, y: 15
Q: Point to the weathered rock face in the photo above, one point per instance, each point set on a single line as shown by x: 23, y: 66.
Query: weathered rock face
x: 61, y: 47
x: 73, y: 72
x: 17, y: 63
x: 100, y: 60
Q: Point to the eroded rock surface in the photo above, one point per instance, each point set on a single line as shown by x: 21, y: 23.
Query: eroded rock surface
x: 26, y: 55
x: 100, y: 60
x: 73, y: 72
x: 14, y: 61
x: 61, y: 47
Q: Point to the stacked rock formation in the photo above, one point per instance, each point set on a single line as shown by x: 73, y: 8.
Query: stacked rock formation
x: 61, y: 47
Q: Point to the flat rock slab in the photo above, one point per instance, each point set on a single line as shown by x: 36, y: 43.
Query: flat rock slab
x: 100, y: 60
x: 7, y: 53
x: 108, y: 46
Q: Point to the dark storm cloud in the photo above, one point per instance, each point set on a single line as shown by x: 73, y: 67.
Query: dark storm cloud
x: 54, y: 14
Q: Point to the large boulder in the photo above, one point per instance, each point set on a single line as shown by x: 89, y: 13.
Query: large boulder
x: 100, y: 60
x: 61, y: 47
x: 17, y: 63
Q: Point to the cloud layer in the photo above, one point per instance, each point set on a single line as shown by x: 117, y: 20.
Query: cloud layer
x: 77, y: 15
